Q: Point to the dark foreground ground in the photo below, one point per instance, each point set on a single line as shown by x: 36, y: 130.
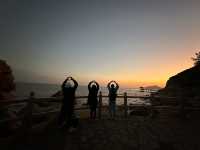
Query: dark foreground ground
x: 134, y: 133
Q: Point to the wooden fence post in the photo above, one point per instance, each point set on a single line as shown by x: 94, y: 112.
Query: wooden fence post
x: 28, y: 118
x: 125, y: 105
x: 100, y: 104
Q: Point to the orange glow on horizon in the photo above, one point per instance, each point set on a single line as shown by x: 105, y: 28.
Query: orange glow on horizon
x: 156, y: 72
x: 132, y: 80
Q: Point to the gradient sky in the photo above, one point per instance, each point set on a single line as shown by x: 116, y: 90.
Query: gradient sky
x: 135, y: 42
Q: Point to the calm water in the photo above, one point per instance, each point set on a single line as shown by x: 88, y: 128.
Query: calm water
x: 46, y: 90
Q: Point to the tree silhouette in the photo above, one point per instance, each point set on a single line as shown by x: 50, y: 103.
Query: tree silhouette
x: 196, y: 59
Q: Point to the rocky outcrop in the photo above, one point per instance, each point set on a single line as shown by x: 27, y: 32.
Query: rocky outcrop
x: 185, y: 83
x: 152, y: 87
x: 7, y: 85
x: 7, y: 88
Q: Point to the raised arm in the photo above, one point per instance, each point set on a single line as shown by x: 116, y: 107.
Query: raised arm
x: 63, y: 84
x: 117, y: 85
x: 75, y: 83
x: 97, y: 85
x: 89, y: 85
x: 108, y: 86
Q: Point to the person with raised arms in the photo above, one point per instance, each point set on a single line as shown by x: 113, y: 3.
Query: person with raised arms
x: 112, y: 88
x: 93, y: 88
x: 68, y: 102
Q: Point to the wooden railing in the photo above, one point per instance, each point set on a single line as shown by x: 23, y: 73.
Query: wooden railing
x: 28, y: 114
x: 29, y: 102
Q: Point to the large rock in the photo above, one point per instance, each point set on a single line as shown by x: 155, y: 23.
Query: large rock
x: 7, y: 85
x: 185, y: 83
x: 7, y: 88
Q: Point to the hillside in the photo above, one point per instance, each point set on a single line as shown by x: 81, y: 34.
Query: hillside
x: 186, y: 83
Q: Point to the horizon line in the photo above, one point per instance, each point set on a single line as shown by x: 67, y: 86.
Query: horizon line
x: 86, y: 85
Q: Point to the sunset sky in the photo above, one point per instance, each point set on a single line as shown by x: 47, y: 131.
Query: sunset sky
x: 134, y: 42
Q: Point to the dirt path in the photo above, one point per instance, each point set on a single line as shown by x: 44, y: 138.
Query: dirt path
x: 133, y: 133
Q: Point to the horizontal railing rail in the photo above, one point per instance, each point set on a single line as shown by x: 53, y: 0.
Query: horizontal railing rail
x: 52, y: 99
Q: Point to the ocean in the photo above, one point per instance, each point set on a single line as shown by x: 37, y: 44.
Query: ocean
x: 47, y: 90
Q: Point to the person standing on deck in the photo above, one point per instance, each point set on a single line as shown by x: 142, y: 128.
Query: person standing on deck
x: 112, y: 88
x: 93, y: 88
x: 68, y: 102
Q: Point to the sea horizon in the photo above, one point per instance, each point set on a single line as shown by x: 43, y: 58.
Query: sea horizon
x: 42, y: 90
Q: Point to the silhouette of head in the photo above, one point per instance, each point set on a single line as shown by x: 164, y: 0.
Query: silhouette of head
x: 112, y: 86
x: 93, y: 86
x: 68, y: 85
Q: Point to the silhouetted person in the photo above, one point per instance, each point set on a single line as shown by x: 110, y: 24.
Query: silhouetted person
x: 93, y: 88
x: 112, y: 88
x: 67, y: 109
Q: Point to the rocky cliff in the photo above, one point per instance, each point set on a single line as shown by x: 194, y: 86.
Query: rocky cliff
x: 7, y: 85
x: 186, y: 83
